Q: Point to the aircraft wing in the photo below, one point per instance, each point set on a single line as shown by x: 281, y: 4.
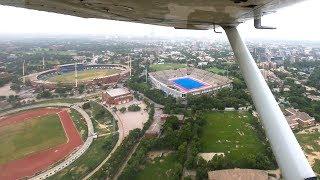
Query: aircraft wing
x: 187, y: 14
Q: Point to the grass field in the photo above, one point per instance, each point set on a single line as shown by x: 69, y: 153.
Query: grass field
x: 21, y: 139
x: 159, y: 169
x: 83, y: 76
x: 80, y: 124
x: 161, y: 67
x: 99, y: 149
x: 216, y: 70
x: 231, y: 133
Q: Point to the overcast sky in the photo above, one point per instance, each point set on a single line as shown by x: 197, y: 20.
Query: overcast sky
x: 297, y: 22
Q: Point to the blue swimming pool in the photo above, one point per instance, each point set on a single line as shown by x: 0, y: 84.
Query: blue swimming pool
x: 188, y: 83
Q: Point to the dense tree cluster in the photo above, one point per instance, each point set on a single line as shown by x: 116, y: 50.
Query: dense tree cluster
x: 134, y: 108
x: 224, y: 98
x: 296, y: 97
x: 314, y: 79
x: 110, y: 168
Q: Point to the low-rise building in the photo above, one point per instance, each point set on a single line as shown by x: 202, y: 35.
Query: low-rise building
x: 295, y: 118
x: 117, y: 96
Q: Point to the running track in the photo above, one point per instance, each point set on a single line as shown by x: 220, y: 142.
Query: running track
x: 39, y: 161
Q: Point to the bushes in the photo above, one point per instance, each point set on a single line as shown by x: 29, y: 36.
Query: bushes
x: 123, y: 109
x: 110, y: 168
x: 134, y: 108
x: 86, y: 105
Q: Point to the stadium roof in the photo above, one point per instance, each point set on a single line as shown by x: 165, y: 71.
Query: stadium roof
x: 117, y: 92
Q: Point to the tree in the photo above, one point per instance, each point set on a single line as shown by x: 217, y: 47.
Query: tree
x: 134, y: 108
x: 123, y: 109
x: 202, y: 173
x: 182, y: 150
x: 86, y: 105
x: 44, y: 94
x: 81, y: 88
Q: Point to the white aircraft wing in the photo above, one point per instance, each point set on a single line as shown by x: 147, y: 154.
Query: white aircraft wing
x: 188, y: 14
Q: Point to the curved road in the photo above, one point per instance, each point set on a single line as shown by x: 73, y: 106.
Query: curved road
x: 121, y: 136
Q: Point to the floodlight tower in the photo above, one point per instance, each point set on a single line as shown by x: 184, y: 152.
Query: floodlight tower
x: 130, y: 65
x: 146, y: 74
x: 23, y: 72
x: 76, y: 73
x: 43, y: 63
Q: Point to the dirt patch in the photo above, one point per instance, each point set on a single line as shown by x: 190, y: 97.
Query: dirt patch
x: 209, y: 156
x: 155, y: 154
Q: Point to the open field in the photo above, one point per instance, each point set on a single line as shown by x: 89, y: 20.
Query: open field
x: 159, y: 168
x: 231, y: 133
x: 310, y: 143
x: 83, y: 76
x: 216, y: 70
x: 161, y: 67
x: 20, y: 139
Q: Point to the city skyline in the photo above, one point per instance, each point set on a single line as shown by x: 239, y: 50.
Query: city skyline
x: 290, y: 25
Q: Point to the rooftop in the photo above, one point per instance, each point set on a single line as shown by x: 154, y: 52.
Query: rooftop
x: 117, y: 92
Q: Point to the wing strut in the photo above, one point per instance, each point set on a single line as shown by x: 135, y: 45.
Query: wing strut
x: 289, y: 155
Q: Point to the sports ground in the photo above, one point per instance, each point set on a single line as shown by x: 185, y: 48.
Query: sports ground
x: 83, y: 76
x: 231, y: 133
x: 35, y: 139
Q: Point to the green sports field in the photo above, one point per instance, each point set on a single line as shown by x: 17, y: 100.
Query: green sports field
x: 161, y: 67
x: 20, y: 139
x: 231, y: 133
x: 83, y: 76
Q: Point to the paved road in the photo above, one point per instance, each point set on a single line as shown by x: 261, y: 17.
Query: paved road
x: 121, y: 136
x: 75, y: 155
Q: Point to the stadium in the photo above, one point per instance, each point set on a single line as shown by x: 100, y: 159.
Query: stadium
x: 74, y: 74
x: 34, y: 139
x: 180, y: 82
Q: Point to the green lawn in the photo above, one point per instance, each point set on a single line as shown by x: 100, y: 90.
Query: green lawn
x: 20, y: 139
x: 83, y: 76
x: 161, y: 67
x: 99, y: 149
x: 80, y: 124
x: 216, y: 70
x: 161, y: 168
x: 231, y: 133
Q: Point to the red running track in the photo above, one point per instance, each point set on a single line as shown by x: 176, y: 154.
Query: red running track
x: 40, y: 161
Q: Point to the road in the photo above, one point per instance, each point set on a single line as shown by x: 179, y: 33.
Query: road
x: 121, y: 136
x: 127, y: 159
